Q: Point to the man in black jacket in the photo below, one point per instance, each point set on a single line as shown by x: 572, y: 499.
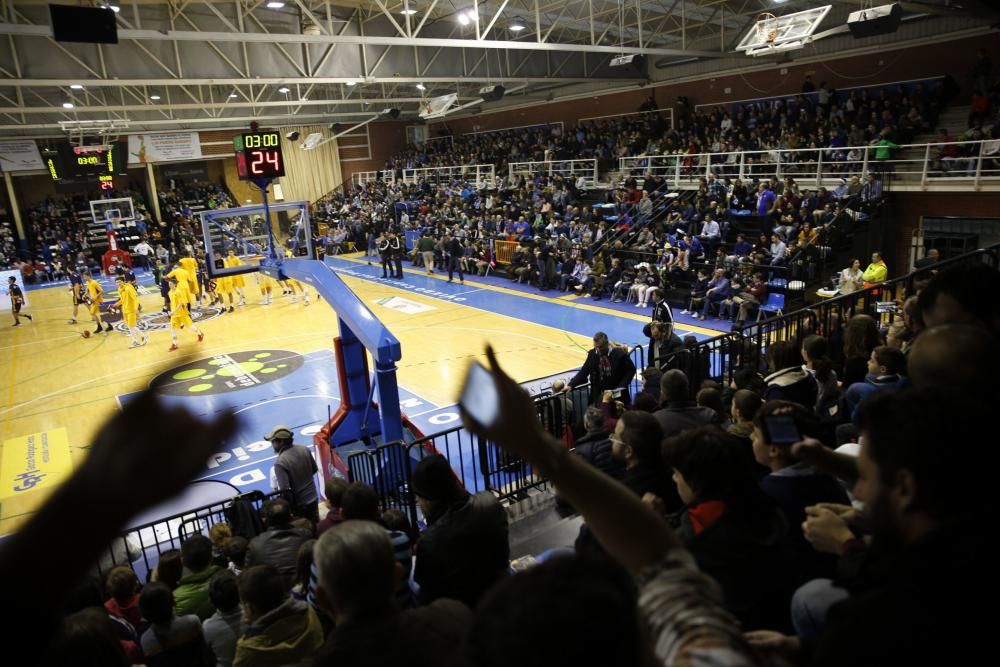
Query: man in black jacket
x: 679, y: 413
x: 661, y: 345
x: 594, y: 448
x: 464, y: 550
x: 454, y: 251
x: 279, y: 544
x: 607, y: 368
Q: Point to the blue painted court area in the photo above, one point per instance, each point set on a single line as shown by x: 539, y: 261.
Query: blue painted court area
x: 264, y: 388
x: 553, y: 313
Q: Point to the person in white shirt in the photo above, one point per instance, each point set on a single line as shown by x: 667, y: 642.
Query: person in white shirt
x: 851, y: 278
x: 143, y: 250
x: 778, y: 249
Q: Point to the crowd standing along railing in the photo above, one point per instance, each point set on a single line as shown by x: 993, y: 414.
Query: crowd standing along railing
x: 918, y: 165
x: 481, y: 175
x: 570, y: 170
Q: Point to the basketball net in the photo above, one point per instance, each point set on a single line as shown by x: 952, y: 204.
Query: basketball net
x: 767, y: 28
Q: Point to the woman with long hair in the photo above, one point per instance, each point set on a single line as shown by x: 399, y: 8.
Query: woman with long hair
x: 861, y: 336
x: 817, y: 362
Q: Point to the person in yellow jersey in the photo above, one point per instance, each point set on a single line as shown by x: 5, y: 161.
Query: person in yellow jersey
x: 224, y: 290
x: 190, y: 265
x: 94, y: 293
x: 266, y: 284
x: 180, y: 315
x: 294, y: 285
x: 184, y: 280
x: 128, y: 304
x: 237, y: 281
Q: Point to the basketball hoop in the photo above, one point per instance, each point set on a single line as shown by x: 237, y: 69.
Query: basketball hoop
x: 767, y: 28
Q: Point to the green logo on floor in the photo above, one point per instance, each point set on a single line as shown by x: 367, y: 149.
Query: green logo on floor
x: 227, y: 372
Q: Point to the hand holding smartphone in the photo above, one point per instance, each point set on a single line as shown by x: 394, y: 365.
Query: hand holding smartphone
x: 781, y: 430
x: 480, y: 398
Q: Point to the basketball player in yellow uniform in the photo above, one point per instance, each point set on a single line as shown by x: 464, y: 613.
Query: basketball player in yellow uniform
x: 94, y: 294
x: 237, y: 281
x: 224, y: 289
x: 294, y: 284
x: 180, y: 316
x: 190, y: 264
x: 184, y: 280
x: 266, y: 284
x: 128, y: 303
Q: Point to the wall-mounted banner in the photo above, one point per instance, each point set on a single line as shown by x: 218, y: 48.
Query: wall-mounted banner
x: 20, y: 155
x: 143, y: 148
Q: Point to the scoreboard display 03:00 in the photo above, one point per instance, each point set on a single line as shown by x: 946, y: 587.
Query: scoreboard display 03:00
x: 258, y: 155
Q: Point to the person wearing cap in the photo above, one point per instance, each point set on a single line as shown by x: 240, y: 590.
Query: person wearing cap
x: 465, y: 549
x: 294, y: 471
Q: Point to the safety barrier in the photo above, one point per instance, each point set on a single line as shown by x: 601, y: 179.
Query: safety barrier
x: 570, y: 170
x: 503, y: 251
x: 480, y: 175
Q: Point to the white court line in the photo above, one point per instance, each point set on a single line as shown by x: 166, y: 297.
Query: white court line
x: 547, y: 343
x: 44, y: 340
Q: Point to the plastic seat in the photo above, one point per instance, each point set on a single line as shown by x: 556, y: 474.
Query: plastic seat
x: 775, y: 304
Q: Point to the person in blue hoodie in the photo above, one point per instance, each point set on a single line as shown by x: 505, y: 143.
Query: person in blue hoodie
x: 886, y: 368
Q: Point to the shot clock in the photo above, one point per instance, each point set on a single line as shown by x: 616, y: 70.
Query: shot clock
x: 258, y: 155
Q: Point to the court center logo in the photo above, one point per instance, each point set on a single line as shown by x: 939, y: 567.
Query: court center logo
x: 160, y: 321
x: 225, y: 373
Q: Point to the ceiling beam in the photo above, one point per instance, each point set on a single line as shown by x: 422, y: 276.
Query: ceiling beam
x: 366, y: 40
x: 278, y: 81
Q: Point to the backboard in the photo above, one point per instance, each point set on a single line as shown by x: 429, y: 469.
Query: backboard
x: 114, y: 212
x: 244, y: 231
x: 772, y: 33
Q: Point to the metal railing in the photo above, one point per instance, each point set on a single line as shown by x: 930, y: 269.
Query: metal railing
x: 362, y: 177
x: 959, y: 163
x: 481, y: 175
x: 148, y: 541
x: 479, y: 464
x: 569, y: 169
x: 718, y: 358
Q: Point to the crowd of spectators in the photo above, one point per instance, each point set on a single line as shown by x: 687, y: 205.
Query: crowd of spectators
x: 59, y: 240
x: 721, y: 524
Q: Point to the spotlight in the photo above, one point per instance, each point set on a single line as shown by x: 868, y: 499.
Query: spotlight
x: 275, y: 4
x: 76, y: 86
x: 284, y: 90
x: 408, y: 12
x: 517, y: 25
x: 292, y: 136
x: 154, y: 97
x: 421, y: 86
x: 351, y: 83
x: 67, y: 105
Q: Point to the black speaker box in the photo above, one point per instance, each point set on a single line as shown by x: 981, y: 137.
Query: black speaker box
x: 882, y: 20
x: 90, y: 25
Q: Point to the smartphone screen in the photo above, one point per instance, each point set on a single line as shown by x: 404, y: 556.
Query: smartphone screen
x: 885, y: 306
x: 781, y: 430
x: 479, y: 396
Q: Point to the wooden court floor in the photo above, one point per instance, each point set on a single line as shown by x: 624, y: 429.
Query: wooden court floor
x: 56, y: 382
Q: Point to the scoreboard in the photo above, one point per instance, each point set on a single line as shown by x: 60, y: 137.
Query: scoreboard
x: 67, y: 163
x: 258, y: 155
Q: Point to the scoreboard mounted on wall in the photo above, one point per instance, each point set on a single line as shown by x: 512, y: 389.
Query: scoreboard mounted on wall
x: 86, y: 164
x: 258, y: 155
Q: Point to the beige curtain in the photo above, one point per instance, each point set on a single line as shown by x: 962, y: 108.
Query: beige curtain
x: 310, y: 174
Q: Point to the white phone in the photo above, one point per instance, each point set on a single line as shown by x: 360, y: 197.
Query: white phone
x: 480, y: 398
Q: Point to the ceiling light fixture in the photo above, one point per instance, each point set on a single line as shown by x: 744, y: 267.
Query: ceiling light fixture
x: 67, y: 105
x: 76, y: 86
x: 233, y: 95
x: 408, y: 12
x: 467, y: 16
x: 114, y: 8
x: 517, y: 25
x: 421, y: 86
x: 284, y: 90
x: 351, y: 83
x: 275, y: 4
x: 154, y: 97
